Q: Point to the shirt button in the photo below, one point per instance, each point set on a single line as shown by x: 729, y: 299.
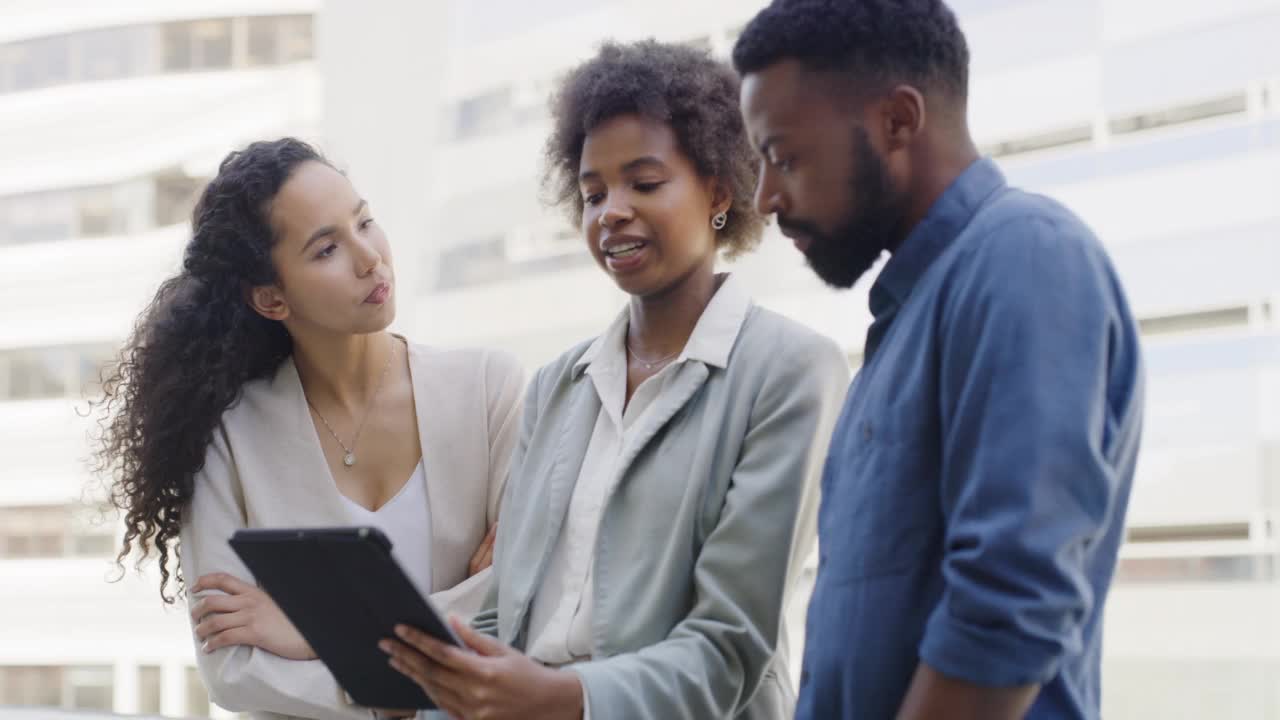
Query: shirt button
x: 804, y: 677
x: 866, y: 431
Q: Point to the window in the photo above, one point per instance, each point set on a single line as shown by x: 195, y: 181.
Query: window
x: 1232, y: 317
x: 297, y: 41
x: 1233, y: 104
x: 91, y: 687
x: 31, y: 686
x: 39, y: 63
x: 112, y: 54
x: 100, y: 215
x: 1041, y: 141
x: 33, y: 532
x: 197, y: 45
x: 197, y: 695
x: 139, y: 50
x: 53, y: 531
x: 39, y: 373
x: 1229, y: 568
x: 149, y: 690
x: 37, y: 217
x: 176, y: 195
x: 64, y: 371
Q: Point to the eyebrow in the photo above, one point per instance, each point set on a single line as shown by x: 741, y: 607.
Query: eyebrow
x: 638, y: 163
x: 328, y: 230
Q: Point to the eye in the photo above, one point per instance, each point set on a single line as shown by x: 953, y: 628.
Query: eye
x: 327, y: 251
x: 593, y: 198
x: 648, y: 187
x: 364, y: 224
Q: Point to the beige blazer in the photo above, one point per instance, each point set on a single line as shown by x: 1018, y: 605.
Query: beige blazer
x: 265, y: 468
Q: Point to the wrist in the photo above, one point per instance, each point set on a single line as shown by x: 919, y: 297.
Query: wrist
x: 569, y: 696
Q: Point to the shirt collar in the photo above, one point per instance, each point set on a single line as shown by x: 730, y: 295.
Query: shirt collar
x: 946, y: 219
x: 711, y: 342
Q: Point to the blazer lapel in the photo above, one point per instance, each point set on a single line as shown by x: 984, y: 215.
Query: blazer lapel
x: 689, y: 379
x: 571, y: 452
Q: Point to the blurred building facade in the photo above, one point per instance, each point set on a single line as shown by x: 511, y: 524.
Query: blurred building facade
x: 1157, y: 120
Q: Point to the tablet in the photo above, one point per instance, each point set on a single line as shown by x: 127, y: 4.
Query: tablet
x: 344, y: 592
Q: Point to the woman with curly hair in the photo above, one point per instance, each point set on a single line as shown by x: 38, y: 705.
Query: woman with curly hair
x: 261, y: 388
x: 663, y: 492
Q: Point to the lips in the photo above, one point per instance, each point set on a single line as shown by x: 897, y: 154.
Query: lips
x: 380, y: 294
x: 624, y: 253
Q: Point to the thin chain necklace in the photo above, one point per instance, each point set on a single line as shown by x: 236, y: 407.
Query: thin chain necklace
x: 647, y: 365
x: 349, y: 453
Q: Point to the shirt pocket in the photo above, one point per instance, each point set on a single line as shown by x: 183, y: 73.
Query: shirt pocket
x: 880, y: 506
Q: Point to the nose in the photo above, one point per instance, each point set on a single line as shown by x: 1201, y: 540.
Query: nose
x: 365, y: 256
x: 768, y: 198
x: 615, y: 214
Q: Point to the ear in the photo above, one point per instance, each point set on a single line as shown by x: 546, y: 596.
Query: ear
x: 902, y: 117
x: 721, y: 196
x: 268, y: 301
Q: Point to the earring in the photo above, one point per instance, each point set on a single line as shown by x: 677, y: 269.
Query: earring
x: 720, y: 220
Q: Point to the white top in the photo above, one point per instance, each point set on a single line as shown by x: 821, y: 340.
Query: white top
x: 406, y: 521
x: 560, y: 615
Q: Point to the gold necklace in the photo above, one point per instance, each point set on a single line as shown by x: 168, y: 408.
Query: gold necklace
x: 649, y: 365
x: 349, y: 453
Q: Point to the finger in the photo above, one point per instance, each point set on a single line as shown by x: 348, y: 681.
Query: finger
x: 220, y: 622
x: 450, y: 657
x: 216, y: 604
x: 222, y: 581
x: 486, y: 546
x: 486, y: 560
x: 475, y: 640
x: 227, y: 638
x: 443, y: 686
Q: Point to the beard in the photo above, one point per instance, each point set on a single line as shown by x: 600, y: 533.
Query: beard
x: 841, y: 257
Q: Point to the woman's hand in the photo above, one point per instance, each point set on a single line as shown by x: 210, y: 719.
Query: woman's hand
x: 245, y: 615
x: 484, y: 554
x: 489, y: 680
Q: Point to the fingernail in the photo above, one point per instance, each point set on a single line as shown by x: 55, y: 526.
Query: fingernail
x: 204, y: 646
x: 384, y: 646
x: 402, y: 631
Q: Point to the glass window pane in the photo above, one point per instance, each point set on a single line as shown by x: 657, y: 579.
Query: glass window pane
x: 149, y: 690
x: 91, y: 687
x: 211, y: 44
x: 264, y: 41
x: 99, y: 214
x: 40, y: 63
x: 197, y: 696
x: 107, y: 54
x: 31, y: 686
x: 39, y: 373
x: 33, y: 532
x: 175, y: 41
x: 39, y: 217
x: 296, y: 38
x: 175, y: 197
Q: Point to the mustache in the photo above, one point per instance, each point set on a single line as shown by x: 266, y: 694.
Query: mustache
x: 798, y: 227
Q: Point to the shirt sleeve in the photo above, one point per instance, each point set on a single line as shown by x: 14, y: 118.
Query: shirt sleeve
x: 1030, y: 339
x: 243, y: 678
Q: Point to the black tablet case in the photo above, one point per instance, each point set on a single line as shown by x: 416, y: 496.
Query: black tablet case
x: 344, y: 592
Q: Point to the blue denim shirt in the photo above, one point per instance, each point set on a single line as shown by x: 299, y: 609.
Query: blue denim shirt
x: 976, y: 486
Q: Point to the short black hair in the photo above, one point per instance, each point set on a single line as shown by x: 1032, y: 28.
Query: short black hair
x: 890, y: 41
x: 682, y: 86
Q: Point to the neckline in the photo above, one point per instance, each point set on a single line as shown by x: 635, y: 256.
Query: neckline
x: 418, y: 470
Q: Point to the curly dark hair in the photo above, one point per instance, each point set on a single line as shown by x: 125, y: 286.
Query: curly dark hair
x: 191, y: 352
x: 681, y: 86
x: 889, y: 41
